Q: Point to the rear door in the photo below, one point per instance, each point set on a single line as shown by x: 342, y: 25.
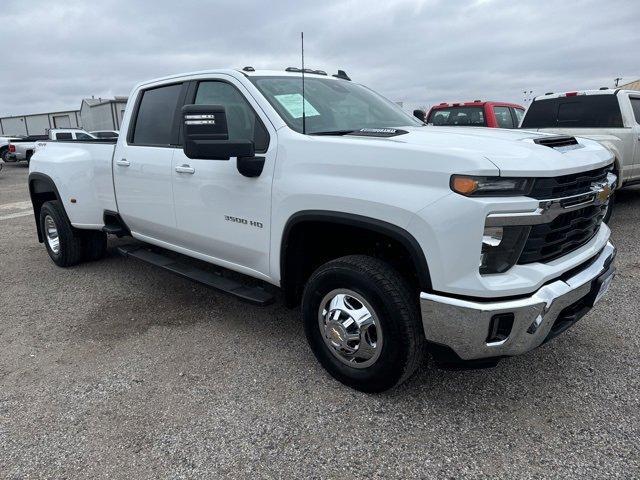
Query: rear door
x: 219, y: 212
x: 142, y: 168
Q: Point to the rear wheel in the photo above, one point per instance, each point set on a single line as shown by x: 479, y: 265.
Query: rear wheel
x: 62, y: 241
x: 362, y: 322
x: 4, y: 154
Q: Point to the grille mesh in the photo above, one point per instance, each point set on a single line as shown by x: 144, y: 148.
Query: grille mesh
x: 566, y: 233
x: 567, y: 185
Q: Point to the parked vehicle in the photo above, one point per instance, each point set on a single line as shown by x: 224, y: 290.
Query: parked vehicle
x: 69, y: 134
x: 480, y: 243
x: 612, y: 117
x: 476, y: 114
x: 24, y: 148
x: 4, y: 146
x: 105, y: 133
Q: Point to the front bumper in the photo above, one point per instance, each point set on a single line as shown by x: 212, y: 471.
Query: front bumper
x: 467, y: 326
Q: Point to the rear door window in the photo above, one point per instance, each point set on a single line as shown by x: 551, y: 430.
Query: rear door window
x: 64, y: 136
x: 503, y: 117
x: 155, y: 116
x: 580, y: 111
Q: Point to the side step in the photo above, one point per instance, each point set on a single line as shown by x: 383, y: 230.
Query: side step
x: 114, y: 230
x: 255, y: 295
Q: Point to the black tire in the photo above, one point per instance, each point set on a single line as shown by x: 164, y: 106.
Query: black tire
x: 94, y: 245
x: 396, y: 308
x: 70, y: 240
x: 4, y: 154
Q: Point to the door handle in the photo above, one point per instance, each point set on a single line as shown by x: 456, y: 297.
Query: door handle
x: 185, y: 169
x: 123, y: 162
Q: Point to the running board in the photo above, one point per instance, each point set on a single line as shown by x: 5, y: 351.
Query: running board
x: 255, y: 295
x: 114, y: 230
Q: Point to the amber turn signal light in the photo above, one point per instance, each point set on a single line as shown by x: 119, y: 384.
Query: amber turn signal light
x: 464, y: 185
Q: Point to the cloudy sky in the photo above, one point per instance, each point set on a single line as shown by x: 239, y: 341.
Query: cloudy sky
x: 420, y: 51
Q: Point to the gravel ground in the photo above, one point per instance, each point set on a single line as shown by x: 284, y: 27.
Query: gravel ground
x: 116, y: 369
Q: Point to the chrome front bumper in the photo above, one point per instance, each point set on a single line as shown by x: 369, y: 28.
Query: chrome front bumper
x: 463, y: 325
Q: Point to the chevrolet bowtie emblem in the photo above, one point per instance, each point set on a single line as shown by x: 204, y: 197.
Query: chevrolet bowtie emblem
x: 604, y: 194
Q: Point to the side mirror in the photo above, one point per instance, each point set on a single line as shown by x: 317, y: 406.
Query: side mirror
x: 419, y: 114
x: 206, y: 135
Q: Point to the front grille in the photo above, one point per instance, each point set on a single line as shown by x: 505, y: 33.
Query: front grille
x: 566, y: 233
x: 567, y: 185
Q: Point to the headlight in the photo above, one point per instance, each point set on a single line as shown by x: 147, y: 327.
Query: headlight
x: 501, y: 248
x: 472, y: 186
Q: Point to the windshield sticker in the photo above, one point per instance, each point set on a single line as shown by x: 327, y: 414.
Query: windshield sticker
x: 293, y: 103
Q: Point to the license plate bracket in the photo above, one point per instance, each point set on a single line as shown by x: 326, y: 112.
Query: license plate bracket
x: 601, y: 285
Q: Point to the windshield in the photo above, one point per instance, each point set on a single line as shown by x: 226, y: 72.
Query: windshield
x: 330, y: 105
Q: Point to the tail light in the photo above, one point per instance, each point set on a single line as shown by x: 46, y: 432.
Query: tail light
x: 12, y: 148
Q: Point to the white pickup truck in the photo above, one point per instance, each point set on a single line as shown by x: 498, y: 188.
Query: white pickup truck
x: 392, y: 235
x: 24, y: 148
x: 612, y: 117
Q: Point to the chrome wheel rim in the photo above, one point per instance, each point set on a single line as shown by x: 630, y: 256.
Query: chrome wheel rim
x: 52, y: 234
x: 350, y: 328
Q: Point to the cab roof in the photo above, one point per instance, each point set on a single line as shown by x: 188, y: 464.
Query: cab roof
x: 246, y: 73
x: 476, y: 103
x: 575, y: 93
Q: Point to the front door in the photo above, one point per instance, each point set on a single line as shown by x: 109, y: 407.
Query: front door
x: 219, y: 212
x: 142, y: 166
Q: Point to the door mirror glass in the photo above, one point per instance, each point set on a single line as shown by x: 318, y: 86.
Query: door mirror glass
x: 206, y: 134
x: 419, y: 114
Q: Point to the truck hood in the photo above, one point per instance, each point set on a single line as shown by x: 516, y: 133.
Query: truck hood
x: 513, y: 152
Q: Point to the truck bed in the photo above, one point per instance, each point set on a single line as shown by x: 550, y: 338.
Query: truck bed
x: 81, y: 170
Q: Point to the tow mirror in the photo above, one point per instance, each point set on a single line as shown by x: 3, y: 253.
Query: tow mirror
x: 419, y: 114
x: 206, y: 135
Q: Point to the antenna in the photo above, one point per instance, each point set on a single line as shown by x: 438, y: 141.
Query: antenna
x: 304, y: 118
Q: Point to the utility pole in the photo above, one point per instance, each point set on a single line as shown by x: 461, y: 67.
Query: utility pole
x: 617, y: 80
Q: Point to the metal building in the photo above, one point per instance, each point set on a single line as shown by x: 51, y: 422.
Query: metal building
x: 102, y: 114
x: 94, y: 114
x: 39, y: 123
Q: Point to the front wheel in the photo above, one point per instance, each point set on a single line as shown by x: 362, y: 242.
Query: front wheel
x: 362, y: 322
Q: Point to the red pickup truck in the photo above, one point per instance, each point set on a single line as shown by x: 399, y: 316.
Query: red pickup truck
x: 476, y: 114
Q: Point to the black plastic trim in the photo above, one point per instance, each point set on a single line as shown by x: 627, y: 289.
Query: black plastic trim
x: 41, y: 177
x: 379, y: 226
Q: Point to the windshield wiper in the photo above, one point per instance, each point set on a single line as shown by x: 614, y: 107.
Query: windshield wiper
x: 333, y: 132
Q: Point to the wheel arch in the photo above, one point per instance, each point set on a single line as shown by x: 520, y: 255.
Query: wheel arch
x: 42, y: 189
x: 293, y: 254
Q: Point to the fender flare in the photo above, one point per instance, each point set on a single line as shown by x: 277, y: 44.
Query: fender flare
x: 395, y: 232
x: 37, y: 178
